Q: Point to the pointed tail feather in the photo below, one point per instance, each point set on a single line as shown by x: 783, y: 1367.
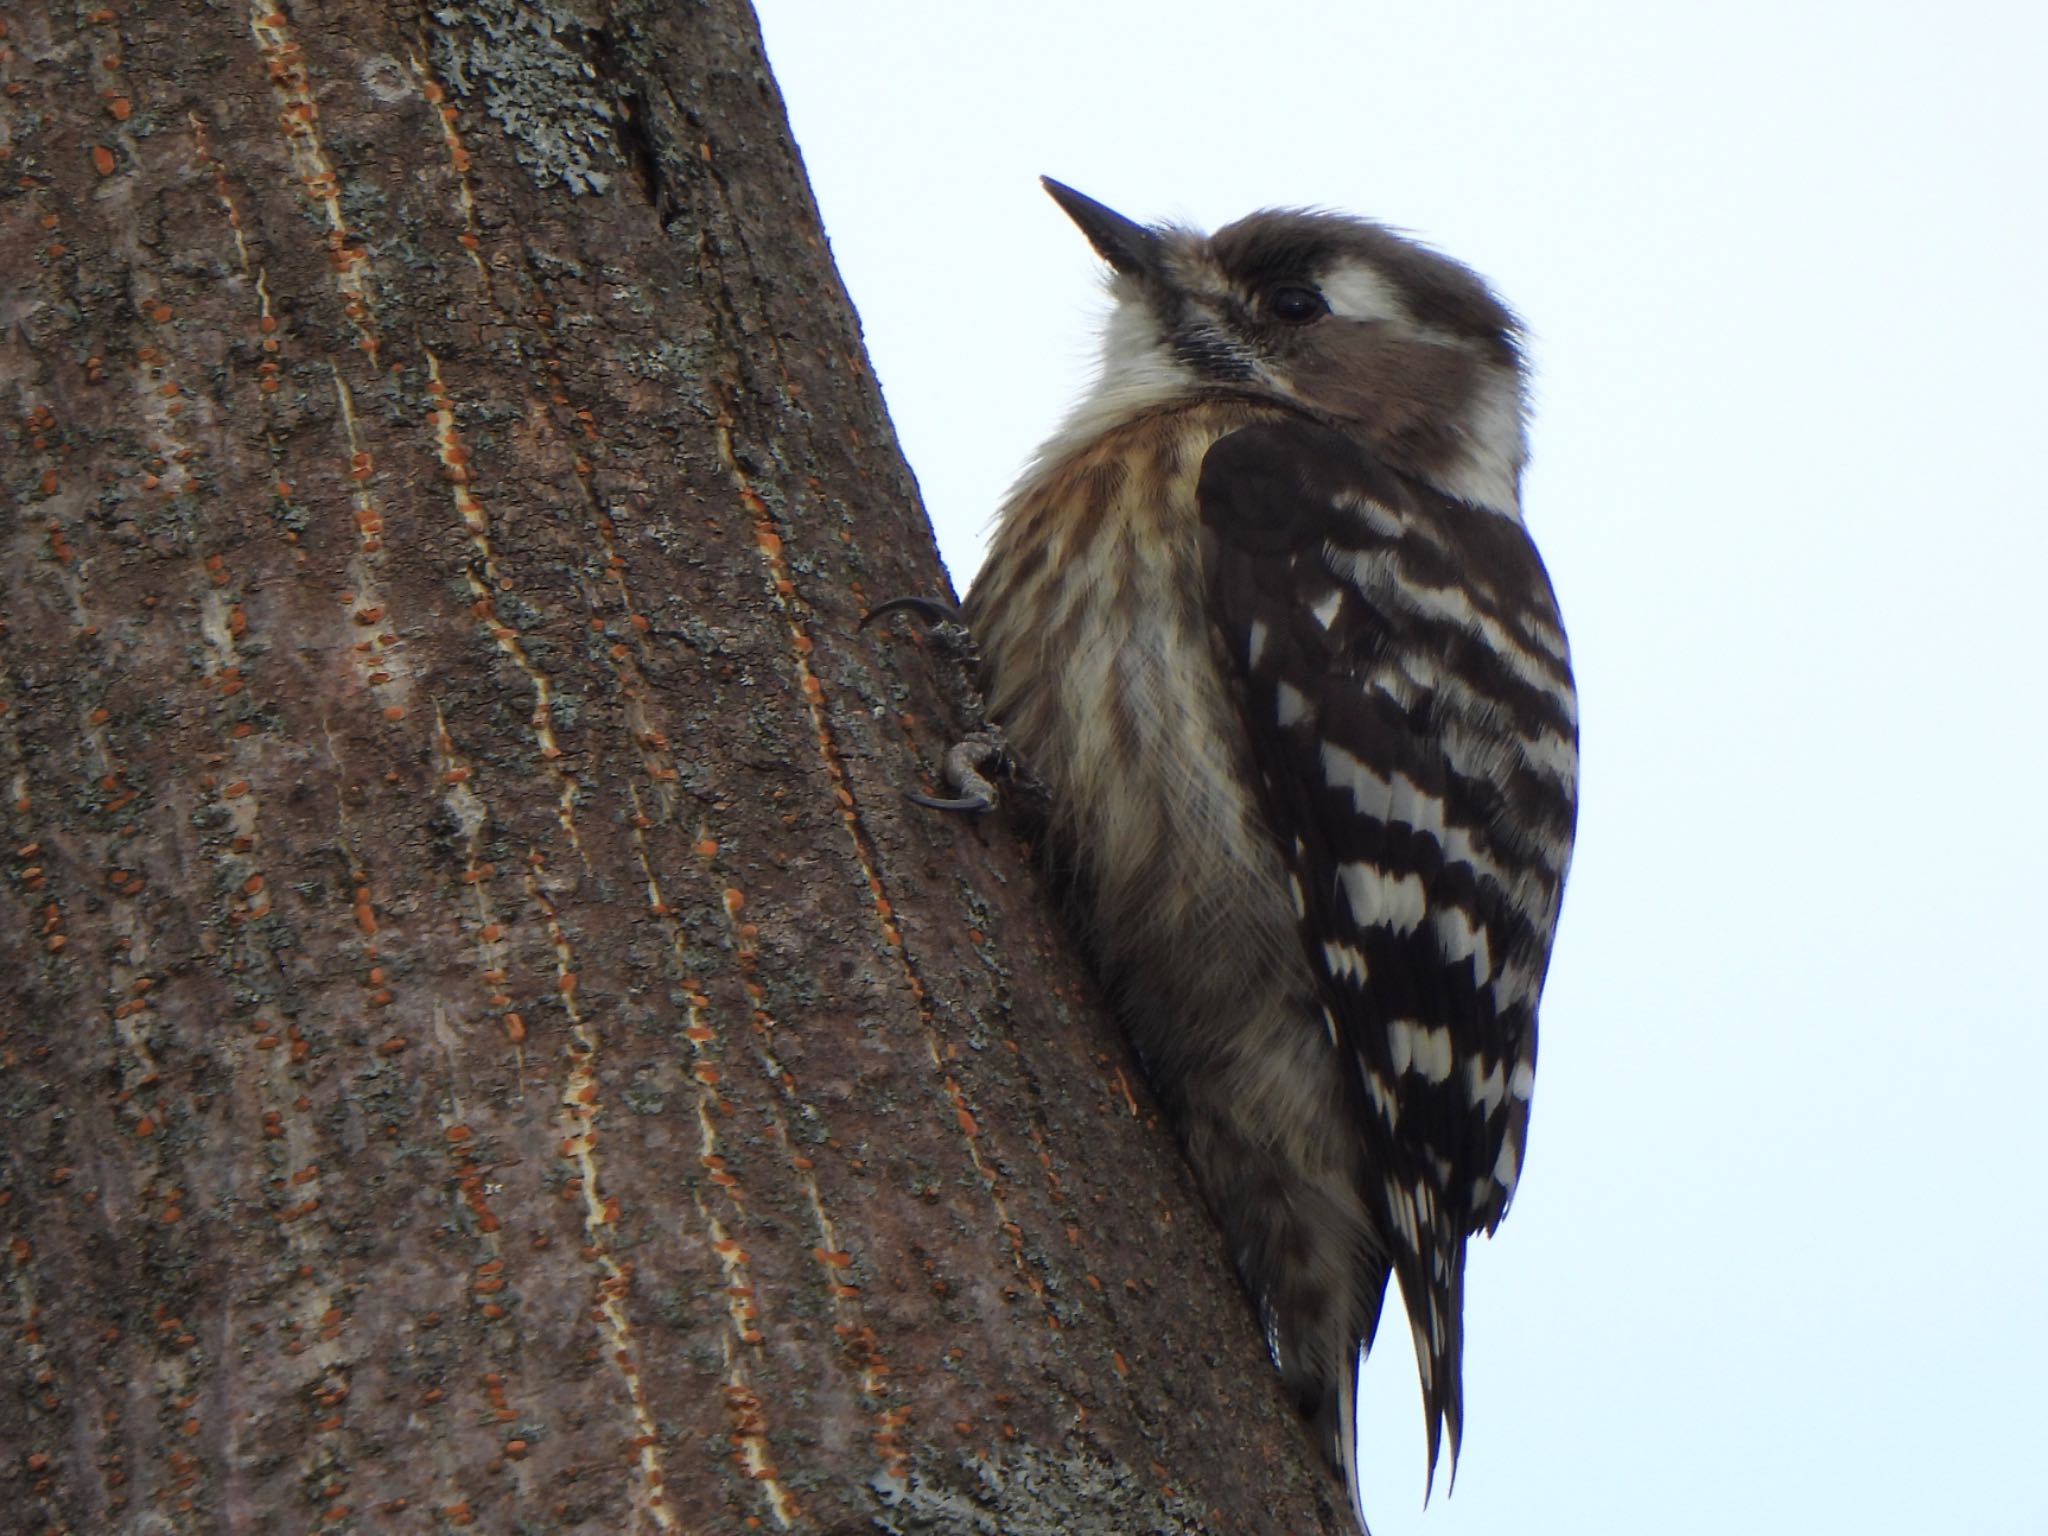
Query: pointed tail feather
x: 1435, y: 1303
x: 1347, y: 1438
x: 1335, y: 1422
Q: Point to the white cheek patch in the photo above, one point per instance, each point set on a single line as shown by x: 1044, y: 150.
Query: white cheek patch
x: 1355, y: 291
x: 1489, y: 472
x: 1138, y: 372
x: 1138, y: 366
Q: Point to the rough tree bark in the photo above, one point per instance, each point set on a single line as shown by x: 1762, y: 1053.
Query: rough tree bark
x: 485, y: 1042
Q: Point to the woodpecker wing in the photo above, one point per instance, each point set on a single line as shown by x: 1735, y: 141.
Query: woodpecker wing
x: 1408, y: 704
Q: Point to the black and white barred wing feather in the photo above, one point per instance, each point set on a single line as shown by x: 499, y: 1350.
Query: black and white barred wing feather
x: 1408, y: 701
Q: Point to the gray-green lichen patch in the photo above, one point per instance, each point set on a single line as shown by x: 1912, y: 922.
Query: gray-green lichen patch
x: 528, y: 63
x: 1027, y: 1492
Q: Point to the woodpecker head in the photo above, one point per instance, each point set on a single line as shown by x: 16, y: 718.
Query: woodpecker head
x: 1335, y: 316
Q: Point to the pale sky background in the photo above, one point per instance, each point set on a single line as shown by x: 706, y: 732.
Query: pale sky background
x: 1778, y: 1261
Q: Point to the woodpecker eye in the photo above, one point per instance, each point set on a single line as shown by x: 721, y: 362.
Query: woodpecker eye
x: 1296, y: 305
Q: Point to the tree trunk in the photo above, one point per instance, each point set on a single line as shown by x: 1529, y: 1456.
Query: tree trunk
x: 485, y: 1041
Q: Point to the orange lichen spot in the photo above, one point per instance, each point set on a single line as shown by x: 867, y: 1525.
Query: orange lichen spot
x: 458, y: 1133
x: 99, y: 716
x: 145, y: 1126
x: 393, y: 1046
x: 103, y: 159
x: 236, y: 790
x: 368, y: 615
x: 838, y: 1258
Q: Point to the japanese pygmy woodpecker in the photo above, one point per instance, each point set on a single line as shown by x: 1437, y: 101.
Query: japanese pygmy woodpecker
x: 1263, y: 618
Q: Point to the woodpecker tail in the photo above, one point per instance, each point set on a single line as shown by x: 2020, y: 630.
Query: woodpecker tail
x: 1336, y: 1426
x: 1432, y: 1284
x: 1433, y: 1294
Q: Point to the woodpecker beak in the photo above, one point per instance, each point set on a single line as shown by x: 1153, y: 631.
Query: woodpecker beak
x: 1130, y: 248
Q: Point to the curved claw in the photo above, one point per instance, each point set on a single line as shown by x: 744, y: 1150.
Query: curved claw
x: 964, y: 762
x: 965, y: 803
x: 931, y: 609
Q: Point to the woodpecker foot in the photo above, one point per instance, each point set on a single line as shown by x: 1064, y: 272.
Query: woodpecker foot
x: 941, y: 620
x: 966, y: 761
x: 932, y: 610
x: 974, y: 763
x: 982, y: 759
